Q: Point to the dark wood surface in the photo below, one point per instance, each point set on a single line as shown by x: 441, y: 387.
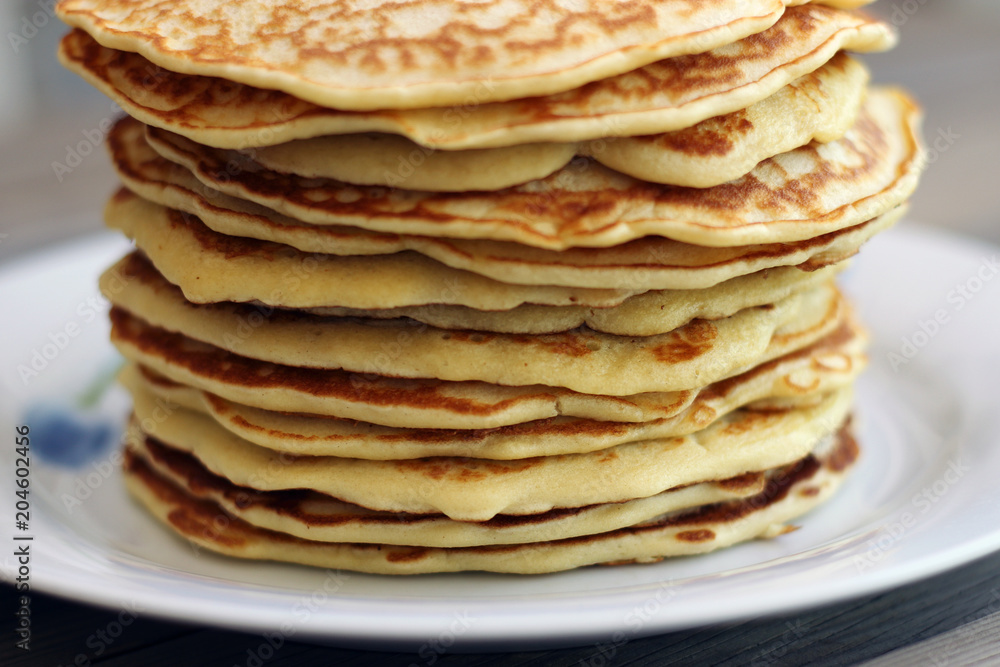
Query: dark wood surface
x: 67, y: 633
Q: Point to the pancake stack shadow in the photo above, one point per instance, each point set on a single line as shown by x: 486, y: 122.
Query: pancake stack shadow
x: 405, y: 299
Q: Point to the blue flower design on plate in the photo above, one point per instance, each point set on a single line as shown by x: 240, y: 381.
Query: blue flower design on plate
x: 71, y: 435
x: 67, y: 437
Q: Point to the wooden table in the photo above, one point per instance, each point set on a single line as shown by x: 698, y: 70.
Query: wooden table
x: 949, y: 56
x: 953, y: 608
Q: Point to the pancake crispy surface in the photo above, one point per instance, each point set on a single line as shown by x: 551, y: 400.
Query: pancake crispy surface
x: 416, y: 403
x: 821, y: 105
x: 211, y: 267
x: 638, y: 265
x: 797, y: 195
x: 668, y: 95
x: 316, y: 516
x: 818, y: 106
x: 469, y: 489
x: 790, y: 493
x: 353, y: 55
x: 584, y: 360
x: 797, y: 379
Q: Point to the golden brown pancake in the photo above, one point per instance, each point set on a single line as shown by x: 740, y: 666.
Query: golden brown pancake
x: 164, y: 183
x: 821, y: 105
x: 424, y: 53
x: 581, y: 359
x: 409, y: 403
x: 645, y: 314
x: 469, y: 489
x: 812, y: 190
x: 799, y: 379
x: 669, y: 95
x: 316, y: 516
x: 211, y: 267
x: 793, y: 491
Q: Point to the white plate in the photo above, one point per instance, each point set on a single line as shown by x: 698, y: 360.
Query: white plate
x: 923, y: 498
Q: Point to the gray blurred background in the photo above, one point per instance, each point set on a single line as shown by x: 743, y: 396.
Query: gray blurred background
x: 949, y: 57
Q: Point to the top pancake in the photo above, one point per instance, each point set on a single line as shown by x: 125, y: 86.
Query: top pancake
x: 667, y: 95
x: 348, y: 54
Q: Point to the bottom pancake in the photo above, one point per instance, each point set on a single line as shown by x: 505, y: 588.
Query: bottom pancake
x: 790, y: 491
x: 320, y: 517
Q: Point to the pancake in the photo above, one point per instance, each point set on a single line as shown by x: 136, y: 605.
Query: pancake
x: 799, y: 379
x: 408, y: 403
x: 811, y: 190
x: 162, y: 182
x: 315, y: 516
x: 580, y: 359
x: 211, y: 267
x: 793, y: 491
x: 821, y: 105
x: 469, y: 489
x: 665, y: 96
x: 644, y: 314
x: 352, y: 55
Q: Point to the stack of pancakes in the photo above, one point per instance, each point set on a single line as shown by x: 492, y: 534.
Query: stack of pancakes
x: 431, y: 286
